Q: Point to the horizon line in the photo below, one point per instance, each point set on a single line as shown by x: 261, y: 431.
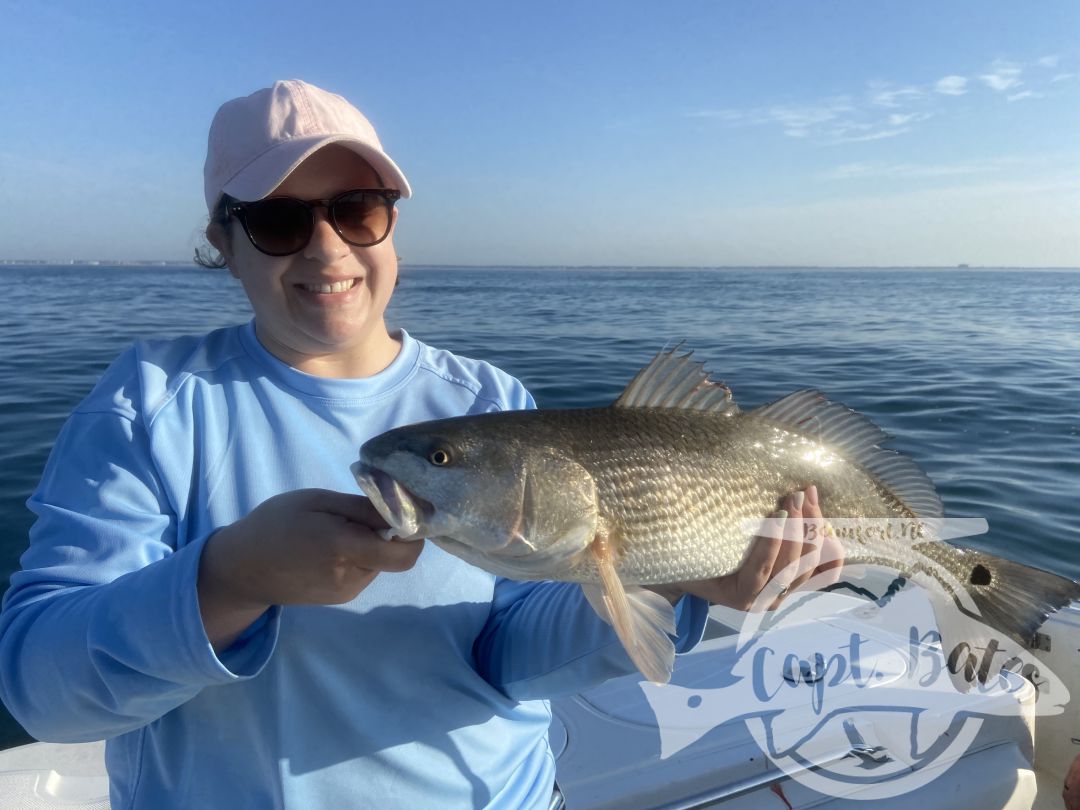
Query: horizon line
x: 502, y: 266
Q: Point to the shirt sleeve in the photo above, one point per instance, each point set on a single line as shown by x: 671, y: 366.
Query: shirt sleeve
x: 543, y: 640
x: 101, y: 631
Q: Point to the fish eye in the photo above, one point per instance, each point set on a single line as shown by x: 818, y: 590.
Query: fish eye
x: 440, y: 457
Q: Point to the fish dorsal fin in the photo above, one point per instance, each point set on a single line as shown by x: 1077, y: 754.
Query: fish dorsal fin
x: 675, y: 381
x: 854, y: 435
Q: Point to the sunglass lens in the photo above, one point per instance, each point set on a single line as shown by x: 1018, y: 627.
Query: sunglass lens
x: 278, y: 226
x: 362, y: 218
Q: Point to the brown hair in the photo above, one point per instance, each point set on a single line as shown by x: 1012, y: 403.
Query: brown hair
x: 206, y: 255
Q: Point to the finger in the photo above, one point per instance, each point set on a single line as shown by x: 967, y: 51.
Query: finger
x: 807, y: 565
x: 756, y: 569
x: 357, y: 508
x: 345, y: 586
x: 832, y: 561
x: 367, y: 550
x: 791, y: 549
x: 813, y: 520
x: 812, y: 538
x: 396, y: 555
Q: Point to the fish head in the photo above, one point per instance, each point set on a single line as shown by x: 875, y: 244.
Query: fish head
x: 518, y: 508
x: 434, y: 479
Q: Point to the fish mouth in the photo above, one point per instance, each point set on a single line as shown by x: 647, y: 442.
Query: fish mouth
x: 405, y: 511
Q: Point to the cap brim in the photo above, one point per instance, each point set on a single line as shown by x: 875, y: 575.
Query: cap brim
x: 269, y: 170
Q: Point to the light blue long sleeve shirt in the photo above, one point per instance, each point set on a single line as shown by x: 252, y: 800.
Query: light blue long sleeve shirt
x: 426, y: 690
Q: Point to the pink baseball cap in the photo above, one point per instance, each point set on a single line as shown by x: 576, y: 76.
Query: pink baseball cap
x: 256, y: 141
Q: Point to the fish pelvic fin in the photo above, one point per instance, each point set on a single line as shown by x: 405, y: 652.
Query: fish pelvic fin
x: 643, y: 620
x: 858, y: 439
x: 673, y: 380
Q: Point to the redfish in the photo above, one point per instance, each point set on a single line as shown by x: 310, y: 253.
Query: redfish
x: 666, y: 485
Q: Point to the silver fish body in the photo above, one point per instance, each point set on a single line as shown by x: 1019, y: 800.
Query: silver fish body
x: 667, y: 485
x: 675, y: 489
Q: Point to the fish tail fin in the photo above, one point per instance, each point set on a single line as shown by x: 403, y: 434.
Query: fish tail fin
x: 643, y: 620
x: 1015, y: 598
x: 1006, y: 599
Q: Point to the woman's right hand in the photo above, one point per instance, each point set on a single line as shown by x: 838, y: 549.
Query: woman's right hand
x: 796, y: 535
x: 307, y: 547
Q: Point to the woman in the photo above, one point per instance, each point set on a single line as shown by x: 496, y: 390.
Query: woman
x: 244, y: 640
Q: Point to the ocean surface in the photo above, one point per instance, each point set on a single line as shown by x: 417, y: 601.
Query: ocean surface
x: 976, y: 373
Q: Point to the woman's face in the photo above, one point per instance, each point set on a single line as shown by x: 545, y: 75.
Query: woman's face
x: 333, y: 334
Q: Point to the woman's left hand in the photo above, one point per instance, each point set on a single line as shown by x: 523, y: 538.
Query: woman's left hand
x: 783, y: 540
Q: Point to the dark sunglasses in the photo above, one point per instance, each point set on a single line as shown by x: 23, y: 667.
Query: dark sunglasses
x: 280, y: 226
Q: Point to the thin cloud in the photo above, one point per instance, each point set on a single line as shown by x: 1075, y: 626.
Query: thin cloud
x: 874, y: 136
x: 1025, y: 163
x: 847, y: 127
x: 729, y: 116
x: 899, y: 119
x: 999, y: 82
x: 858, y: 171
x: 796, y: 120
x: 801, y: 121
x: 951, y: 86
x: 894, y: 98
x: 1002, y: 76
x: 847, y: 119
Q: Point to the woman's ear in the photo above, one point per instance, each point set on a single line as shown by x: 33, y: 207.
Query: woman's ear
x: 218, y: 236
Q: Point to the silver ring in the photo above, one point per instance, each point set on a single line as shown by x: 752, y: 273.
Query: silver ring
x: 783, y: 591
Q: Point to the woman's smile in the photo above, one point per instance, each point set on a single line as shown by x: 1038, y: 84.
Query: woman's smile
x: 336, y: 293
x: 330, y: 288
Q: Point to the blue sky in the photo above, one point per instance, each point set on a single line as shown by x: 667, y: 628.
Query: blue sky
x: 625, y: 133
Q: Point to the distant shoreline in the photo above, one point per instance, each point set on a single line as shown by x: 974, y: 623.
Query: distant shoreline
x: 723, y: 267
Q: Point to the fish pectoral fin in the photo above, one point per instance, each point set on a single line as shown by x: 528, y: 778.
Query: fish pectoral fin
x: 595, y: 596
x: 644, y: 621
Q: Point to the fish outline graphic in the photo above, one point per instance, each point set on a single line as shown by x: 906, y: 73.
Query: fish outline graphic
x: 875, y: 711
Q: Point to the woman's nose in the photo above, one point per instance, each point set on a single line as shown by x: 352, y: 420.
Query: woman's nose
x: 325, y: 245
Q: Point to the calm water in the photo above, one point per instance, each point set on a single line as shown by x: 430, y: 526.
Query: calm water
x: 976, y: 373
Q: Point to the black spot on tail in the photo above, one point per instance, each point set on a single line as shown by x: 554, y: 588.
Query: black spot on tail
x: 980, y: 575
